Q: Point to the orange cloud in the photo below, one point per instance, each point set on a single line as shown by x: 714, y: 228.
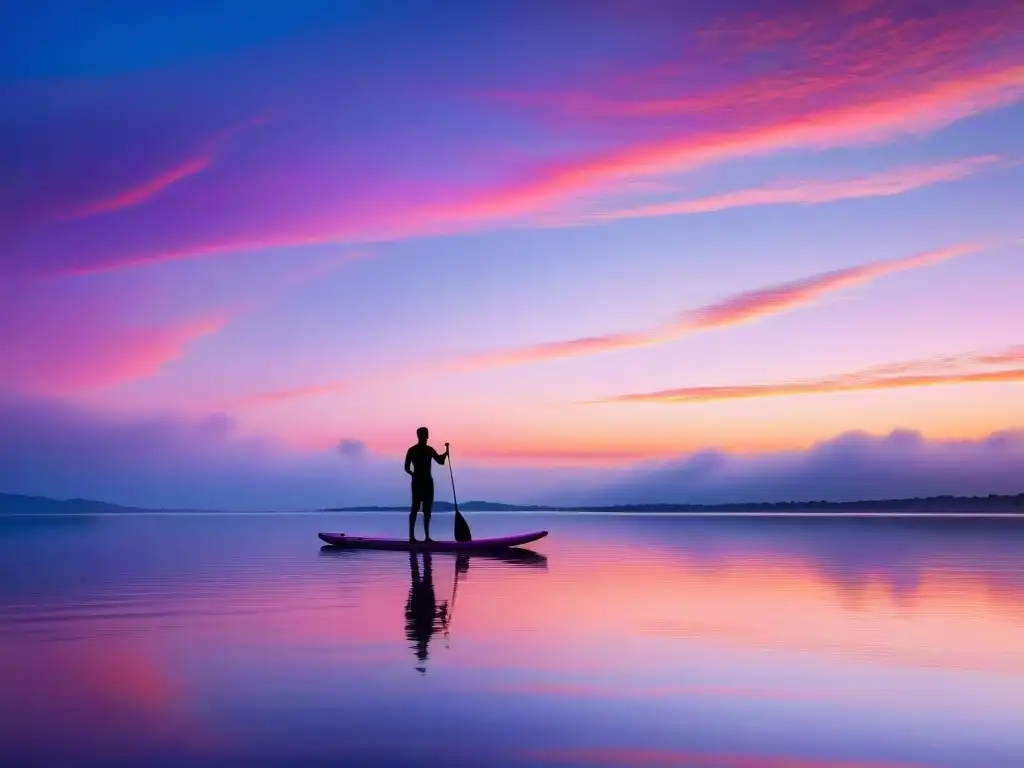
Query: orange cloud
x: 904, y: 375
x: 1012, y: 355
x: 886, y: 184
x: 742, y: 308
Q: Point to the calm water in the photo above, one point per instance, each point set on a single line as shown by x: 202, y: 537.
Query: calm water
x: 626, y: 641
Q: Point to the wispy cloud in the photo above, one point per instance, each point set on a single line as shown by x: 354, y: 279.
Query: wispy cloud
x: 869, y: 120
x: 770, y: 301
x: 886, y: 184
x: 825, y: 53
x: 45, y: 346
x: 752, y: 87
x: 745, y: 307
x: 61, y: 355
x: 742, y: 308
x: 939, y: 371
x: 150, y: 188
x: 840, y: 77
x: 144, y: 191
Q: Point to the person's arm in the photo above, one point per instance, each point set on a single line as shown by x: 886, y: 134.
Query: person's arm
x: 408, y: 462
x: 440, y: 457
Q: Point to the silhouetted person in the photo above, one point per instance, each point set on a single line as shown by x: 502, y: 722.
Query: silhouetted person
x: 417, y: 464
x: 421, y: 609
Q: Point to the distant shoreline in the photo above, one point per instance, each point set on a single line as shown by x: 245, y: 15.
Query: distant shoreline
x: 16, y: 504
x: 927, y: 505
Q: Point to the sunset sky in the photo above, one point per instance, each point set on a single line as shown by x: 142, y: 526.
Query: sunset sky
x: 644, y: 250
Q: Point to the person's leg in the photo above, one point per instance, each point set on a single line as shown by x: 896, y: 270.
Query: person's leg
x: 428, y: 503
x: 412, y: 513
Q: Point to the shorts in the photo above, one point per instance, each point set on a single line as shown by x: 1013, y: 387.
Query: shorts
x: 423, y: 493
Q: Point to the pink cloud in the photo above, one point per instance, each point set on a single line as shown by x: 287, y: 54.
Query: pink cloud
x: 931, y: 107
x: 913, y: 111
x: 822, y: 51
x: 842, y: 79
x: 56, y: 340
x: 62, y: 354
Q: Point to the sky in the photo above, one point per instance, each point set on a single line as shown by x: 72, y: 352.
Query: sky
x: 641, y: 251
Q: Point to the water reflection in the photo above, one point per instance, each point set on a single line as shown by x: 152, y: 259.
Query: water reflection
x: 718, y: 642
x: 425, y: 616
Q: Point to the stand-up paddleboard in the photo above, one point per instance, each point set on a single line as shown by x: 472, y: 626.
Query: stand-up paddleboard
x: 478, y: 545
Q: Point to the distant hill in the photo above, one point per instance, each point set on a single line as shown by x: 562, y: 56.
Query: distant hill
x: 17, y: 504
x: 931, y: 505
x: 447, y: 506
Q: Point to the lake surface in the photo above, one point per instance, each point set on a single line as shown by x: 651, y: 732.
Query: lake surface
x: 707, y: 642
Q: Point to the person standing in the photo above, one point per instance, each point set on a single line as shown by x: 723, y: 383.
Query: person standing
x: 418, y: 465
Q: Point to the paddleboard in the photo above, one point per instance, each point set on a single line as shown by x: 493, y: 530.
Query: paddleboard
x: 478, y: 545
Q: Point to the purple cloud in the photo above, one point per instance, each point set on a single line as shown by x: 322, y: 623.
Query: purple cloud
x: 850, y: 467
x: 52, y: 448
x: 352, y: 449
x: 162, y: 460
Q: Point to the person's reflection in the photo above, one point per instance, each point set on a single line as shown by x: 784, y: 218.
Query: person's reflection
x: 424, y: 617
x: 422, y: 614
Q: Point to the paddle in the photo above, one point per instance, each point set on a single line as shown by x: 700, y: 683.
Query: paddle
x: 462, y: 532
x: 461, y: 566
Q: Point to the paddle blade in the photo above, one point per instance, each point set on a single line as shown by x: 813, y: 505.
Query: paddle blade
x: 461, y: 527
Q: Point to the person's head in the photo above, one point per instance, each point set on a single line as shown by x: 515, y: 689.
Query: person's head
x: 422, y: 434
